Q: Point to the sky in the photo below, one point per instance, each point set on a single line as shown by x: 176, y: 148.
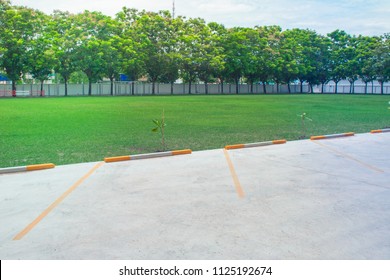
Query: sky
x: 365, y: 17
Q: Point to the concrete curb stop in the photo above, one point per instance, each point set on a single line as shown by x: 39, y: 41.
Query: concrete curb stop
x: 26, y: 168
x: 251, y: 145
x: 145, y: 156
x: 332, y: 136
x: 380, y: 130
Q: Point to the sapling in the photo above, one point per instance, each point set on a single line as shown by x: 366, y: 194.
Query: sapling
x: 160, y: 125
x: 303, y: 120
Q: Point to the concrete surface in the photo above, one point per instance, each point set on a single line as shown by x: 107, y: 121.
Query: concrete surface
x: 326, y: 199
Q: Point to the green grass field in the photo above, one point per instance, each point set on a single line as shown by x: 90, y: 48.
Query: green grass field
x: 81, y: 129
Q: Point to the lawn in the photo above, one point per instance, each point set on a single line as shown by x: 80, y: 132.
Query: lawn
x: 80, y: 129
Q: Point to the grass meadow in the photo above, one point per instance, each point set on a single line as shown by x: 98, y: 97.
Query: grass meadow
x: 68, y: 130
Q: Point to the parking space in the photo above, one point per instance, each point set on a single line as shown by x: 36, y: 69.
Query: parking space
x: 325, y: 199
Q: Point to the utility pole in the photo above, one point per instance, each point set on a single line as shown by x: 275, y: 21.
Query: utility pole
x: 173, y: 10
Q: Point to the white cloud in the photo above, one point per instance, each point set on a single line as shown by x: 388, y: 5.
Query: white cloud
x: 367, y: 17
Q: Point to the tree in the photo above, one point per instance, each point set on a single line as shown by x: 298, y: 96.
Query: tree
x: 352, y: 65
x: 210, y: 55
x: 312, y: 58
x: 65, y: 45
x: 321, y: 57
x: 41, y: 55
x: 255, y: 51
x: 382, y: 60
x: 191, y: 50
x: 110, y: 49
x: 365, y: 56
x: 219, y: 33
x: 92, y: 33
x: 131, y: 52
x: 157, y: 34
x: 18, y: 30
x: 287, y: 64
x: 267, y: 57
x: 236, y: 54
x: 339, y: 56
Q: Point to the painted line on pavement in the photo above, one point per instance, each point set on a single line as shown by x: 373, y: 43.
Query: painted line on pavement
x: 349, y: 157
x: 237, y: 184
x: 21, y: 234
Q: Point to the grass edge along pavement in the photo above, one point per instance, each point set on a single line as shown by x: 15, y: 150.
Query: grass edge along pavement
x: 86, y: 129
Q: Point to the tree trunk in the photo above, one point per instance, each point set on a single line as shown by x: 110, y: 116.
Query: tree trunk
x: 172, y: 87
x: 365, y: 87
x: 301, y: 84
x: 189, y: 87
x: 41, y: 93
x: 206, y: 87
x: 89, y: 87
x: 222, y: 87
x: 112, y: 86
x: 288, y: 86
x: 66, y: 86
x: 335, y: 88
x: 153, y: 87
x: 311, y: 88
x: 381, y: 83
x: 13, y: 88
x: 251, y: 87
x: 352, y: 87
x: 237, y: 85
x: 264, y: 87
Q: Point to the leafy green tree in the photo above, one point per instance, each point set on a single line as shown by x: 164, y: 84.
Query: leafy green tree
x: 255, y: 47
x: 287, y: 59
x: 236, y: 54
x: 382, y: 60
x: 41, y: 55
x: 191, y: 50
x: 4, y: 6
x: 91, y: 31
x: 270, y: 35
x: 312, y: 57
x: 339, y: 56
x: 158, y: 38
x: 321, y: 56
x: 210, y: 54
x: 353, y: 67
x: 18, y: 29
x: 111, y: 45
x: 65, y: 45
x: 219, y: 33
x: 130, y: 46
x: 365, y: 56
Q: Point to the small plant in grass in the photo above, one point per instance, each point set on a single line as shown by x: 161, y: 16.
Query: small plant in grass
x: 304, y: 117
x: 159, y: 127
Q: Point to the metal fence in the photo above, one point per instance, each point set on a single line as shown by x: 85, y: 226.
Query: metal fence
x: 138, y: 88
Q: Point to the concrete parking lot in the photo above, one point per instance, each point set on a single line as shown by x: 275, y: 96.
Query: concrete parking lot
x: 325, y: 199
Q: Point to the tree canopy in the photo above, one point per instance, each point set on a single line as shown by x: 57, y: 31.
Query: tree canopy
x: 162, y: 48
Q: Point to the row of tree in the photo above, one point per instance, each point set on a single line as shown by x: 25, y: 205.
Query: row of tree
x: 163, y: 49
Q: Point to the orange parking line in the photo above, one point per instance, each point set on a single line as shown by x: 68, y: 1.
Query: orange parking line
x: 21, y: 234
x: 349, y: 157
x: 237, y: 184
